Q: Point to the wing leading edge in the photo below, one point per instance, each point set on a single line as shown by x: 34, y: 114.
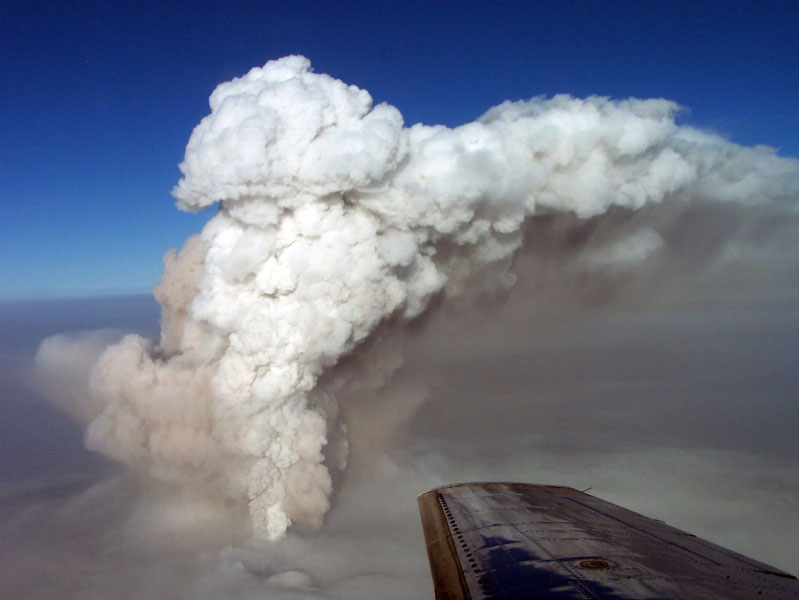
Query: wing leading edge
x: 511, y: 540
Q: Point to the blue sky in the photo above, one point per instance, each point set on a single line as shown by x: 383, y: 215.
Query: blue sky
x: 99, y: 98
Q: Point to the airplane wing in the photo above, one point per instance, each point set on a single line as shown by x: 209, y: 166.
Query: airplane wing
x: 511, y: 540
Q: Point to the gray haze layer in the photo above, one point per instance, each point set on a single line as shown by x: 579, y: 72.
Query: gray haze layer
x: 668, y: 386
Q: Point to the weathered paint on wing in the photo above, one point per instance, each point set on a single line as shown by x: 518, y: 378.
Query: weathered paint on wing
x: 511, y: 540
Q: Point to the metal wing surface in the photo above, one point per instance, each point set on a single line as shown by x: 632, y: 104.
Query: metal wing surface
x: 511, y: 540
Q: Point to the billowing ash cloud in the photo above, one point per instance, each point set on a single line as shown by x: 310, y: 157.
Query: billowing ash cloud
x: 334, y: 219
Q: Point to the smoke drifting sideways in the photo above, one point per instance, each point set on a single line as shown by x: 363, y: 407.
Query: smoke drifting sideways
x: 336, y: 225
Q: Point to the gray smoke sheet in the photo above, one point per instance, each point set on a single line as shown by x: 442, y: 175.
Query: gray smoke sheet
x: 683, y: 410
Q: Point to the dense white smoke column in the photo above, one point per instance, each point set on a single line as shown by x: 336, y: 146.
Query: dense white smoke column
x: 334, y: 217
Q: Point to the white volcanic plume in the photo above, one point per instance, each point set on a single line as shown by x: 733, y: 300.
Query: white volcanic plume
x: 334, y: 217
